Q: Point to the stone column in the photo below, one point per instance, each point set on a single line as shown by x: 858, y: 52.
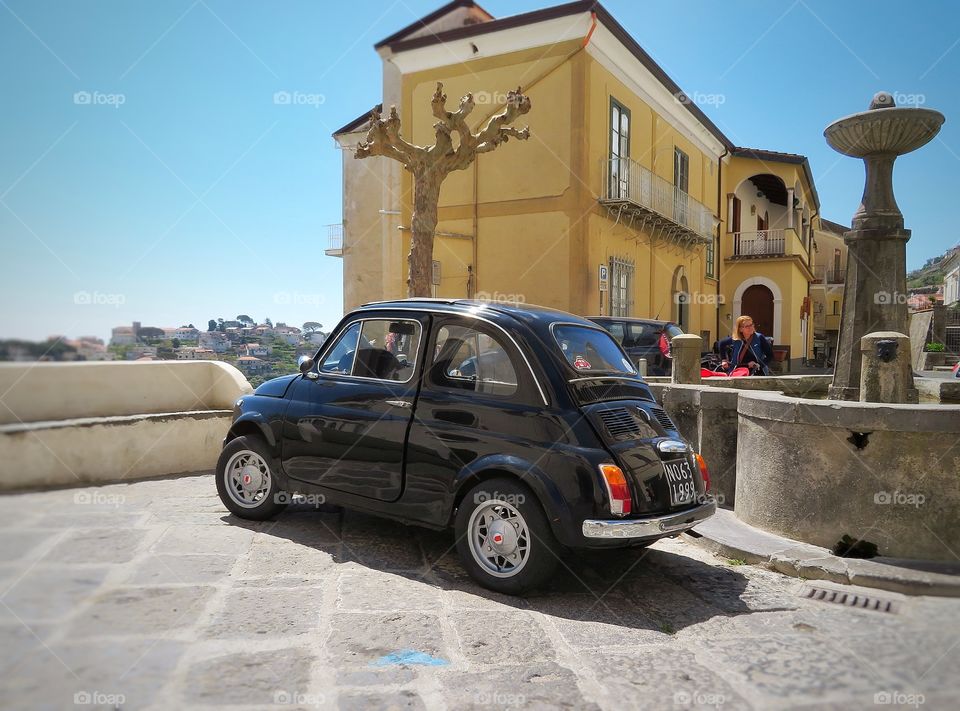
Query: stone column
x: 790, y: 208
x: 886, y: 374
x: 685, y: 349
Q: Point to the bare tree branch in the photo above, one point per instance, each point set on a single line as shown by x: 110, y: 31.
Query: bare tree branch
x: 383, y: 139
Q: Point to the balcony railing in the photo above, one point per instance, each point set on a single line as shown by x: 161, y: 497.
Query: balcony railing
x: 334, y: 241
x: 654, y: 201
x: 764, y: 243
x: 830, y: 276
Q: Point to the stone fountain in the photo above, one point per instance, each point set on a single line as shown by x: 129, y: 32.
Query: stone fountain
x: 875, y: 298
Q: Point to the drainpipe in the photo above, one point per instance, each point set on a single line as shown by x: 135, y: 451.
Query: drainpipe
x: 806, y: 341
x: 717, y: 249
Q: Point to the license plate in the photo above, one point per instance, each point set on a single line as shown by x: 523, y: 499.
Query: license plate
x: 680, y: 480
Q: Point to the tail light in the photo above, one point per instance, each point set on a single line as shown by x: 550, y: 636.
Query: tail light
x: 617, y: 488
x: 703, y: 473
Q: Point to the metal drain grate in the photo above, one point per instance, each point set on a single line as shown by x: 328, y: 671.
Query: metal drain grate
x: 861, y: 602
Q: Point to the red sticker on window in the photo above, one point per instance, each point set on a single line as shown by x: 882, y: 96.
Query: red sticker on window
x: 581, y: 363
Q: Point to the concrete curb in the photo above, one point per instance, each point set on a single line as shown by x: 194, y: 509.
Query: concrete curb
x: 728, y: 536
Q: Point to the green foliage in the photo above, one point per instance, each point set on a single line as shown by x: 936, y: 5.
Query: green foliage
x: 936, y: 347
x: 51, y: 349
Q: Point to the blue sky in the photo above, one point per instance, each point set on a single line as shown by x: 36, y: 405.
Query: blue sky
x: 198, y: 196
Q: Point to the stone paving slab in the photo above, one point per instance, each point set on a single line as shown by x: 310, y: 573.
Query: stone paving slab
x: 150, y: 595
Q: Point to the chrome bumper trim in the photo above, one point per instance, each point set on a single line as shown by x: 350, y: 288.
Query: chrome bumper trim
x: 656, y: 527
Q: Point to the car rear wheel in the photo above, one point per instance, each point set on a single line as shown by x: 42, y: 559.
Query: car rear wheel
x: 503, y: 537
x: 245, y: 480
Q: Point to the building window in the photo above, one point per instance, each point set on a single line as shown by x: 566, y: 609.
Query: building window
x: 621, y: 287
x: 836, y: 307
x: 711, y: 256
x: 681, y: 186
x: 619, y: 150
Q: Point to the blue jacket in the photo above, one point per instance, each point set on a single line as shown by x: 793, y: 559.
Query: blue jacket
x: 760, y: 351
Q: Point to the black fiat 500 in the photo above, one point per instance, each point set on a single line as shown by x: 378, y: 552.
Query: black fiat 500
x: 526, y: 429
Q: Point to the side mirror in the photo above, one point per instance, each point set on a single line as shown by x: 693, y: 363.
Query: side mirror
x: 305, y: 364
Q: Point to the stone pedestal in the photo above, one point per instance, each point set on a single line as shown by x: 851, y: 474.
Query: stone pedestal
x: 886, y: 374
x: 875, y: 293
x: 685, y: 350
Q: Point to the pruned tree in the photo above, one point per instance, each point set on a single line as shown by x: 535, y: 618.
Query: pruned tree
x: 431, y: 165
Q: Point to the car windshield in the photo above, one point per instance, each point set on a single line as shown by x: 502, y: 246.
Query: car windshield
x: 591, y: 350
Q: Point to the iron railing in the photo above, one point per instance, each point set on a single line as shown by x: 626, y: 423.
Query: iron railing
x: 830, y: 276
x: 334, y: 240
x: 625, y: 180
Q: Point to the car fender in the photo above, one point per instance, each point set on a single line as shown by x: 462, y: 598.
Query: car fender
x: 254, y: 422
x: 494, y: 465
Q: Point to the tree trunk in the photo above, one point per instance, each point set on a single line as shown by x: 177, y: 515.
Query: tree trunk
x: 426, y: 195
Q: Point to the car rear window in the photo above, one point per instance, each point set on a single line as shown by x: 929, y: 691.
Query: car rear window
x: 591, y: 350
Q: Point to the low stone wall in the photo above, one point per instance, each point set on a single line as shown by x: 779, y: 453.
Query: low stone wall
x: 707, y: 418
x: 64, y: 424
x: 816, y: 470
x: 36, y: 392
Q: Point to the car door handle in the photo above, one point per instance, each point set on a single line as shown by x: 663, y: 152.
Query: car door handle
x: 399, y: 403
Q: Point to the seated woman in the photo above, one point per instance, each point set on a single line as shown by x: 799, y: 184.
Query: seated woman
x: 746, y: 348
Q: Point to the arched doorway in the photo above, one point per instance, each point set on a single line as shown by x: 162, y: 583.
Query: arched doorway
x: 758, y: 304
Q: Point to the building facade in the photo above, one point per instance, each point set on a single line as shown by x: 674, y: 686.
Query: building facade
x: 623, y: 177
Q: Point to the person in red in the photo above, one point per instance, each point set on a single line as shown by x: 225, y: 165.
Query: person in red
x: 746, y: 348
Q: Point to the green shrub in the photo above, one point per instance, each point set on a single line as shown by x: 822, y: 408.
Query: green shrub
x: 936, y: 348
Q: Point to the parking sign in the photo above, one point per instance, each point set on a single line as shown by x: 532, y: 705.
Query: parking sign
x: 603, y: 277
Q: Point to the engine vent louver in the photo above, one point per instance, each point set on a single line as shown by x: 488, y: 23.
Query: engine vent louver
x: 663, y: 418
x: 620, y: 423
x: 611, y: 390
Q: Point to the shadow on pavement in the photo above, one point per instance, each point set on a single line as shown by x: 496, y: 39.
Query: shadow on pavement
x: 637, y: 588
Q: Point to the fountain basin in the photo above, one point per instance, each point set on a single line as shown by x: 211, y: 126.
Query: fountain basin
x: 815, y: 470
x: 890, y: 131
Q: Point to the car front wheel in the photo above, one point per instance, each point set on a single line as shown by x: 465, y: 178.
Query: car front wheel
x: 245, y: 480
x: 504, y: 538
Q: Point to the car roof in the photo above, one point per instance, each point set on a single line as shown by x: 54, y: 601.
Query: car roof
x: 531, y: 314
x: 598, y: 319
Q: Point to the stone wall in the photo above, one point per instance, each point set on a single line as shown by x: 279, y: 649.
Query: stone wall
x: 817, y: 470
x: 64, y: 424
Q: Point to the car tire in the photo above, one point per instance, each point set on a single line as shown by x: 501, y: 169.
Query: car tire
x: 525, y: 552
x: 246, y: 482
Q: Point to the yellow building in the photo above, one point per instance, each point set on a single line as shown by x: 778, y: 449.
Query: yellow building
x: 622, y: 171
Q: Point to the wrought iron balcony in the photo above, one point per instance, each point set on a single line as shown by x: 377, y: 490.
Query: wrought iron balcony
x: 830, y: 276
x: 644, y: 200
x: 763, y: 243
x: 334, y: 241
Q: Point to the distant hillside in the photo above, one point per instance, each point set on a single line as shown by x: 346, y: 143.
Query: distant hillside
x: 931, y: 273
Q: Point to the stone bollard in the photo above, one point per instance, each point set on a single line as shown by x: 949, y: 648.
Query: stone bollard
x: 685, y: 349
x: 642, y: 367
x: 886, y: 374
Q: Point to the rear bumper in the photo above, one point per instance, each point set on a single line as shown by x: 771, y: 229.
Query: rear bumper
x: 648, y: 528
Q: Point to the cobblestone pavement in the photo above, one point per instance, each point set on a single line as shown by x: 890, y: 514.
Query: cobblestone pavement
x: 150, y: 595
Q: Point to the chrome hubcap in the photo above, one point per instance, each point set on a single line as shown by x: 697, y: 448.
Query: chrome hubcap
x: 247, y: 478
x: 499, y: 540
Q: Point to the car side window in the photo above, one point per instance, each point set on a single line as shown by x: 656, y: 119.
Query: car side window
x: 473, y: 360
x: 339, y: 359
x: 617, y: 331
x: 643, y: 334
x: 387, y: 350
